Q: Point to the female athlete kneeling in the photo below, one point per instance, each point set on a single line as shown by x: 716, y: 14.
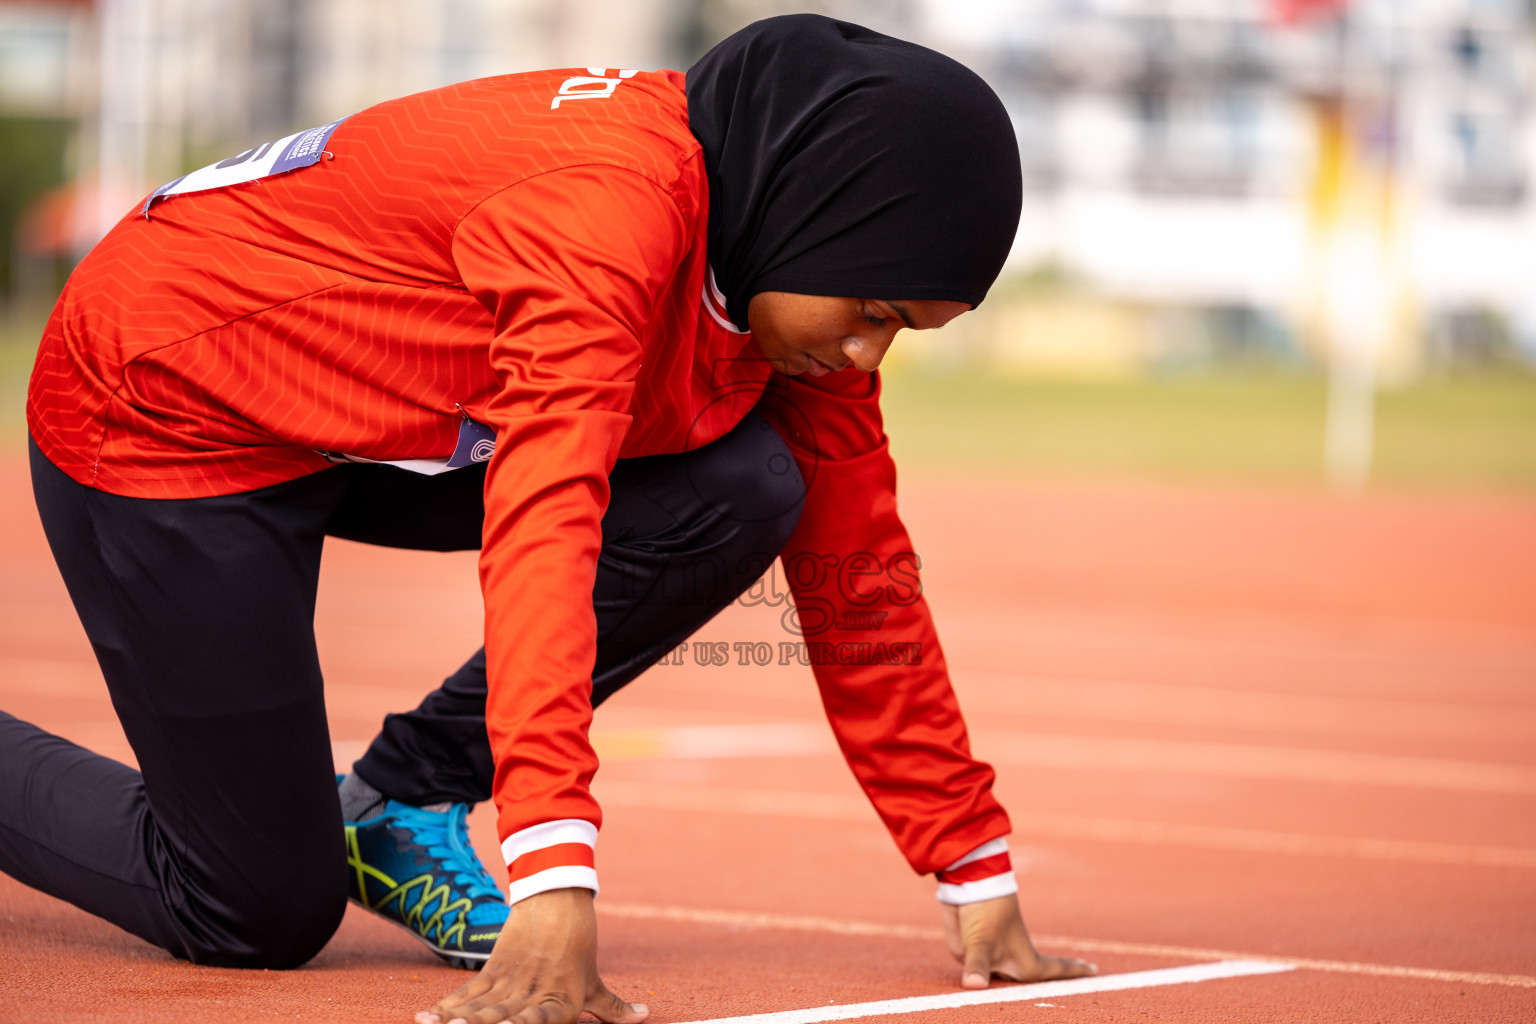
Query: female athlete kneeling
x: 616, y: 330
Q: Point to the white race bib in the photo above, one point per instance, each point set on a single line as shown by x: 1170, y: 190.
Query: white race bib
x: 477, y: 443
x: 286, y: 154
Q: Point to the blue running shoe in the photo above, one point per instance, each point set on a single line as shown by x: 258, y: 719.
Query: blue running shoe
x: 415, y: 867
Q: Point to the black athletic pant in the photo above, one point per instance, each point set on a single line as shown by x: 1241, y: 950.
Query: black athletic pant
x: 227, y: 849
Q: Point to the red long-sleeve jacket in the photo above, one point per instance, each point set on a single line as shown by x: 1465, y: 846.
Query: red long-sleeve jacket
x: 526, y: 252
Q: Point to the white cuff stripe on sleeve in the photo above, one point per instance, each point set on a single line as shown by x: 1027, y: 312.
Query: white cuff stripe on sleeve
x: 550, y: 833
x: 991, y: 848
x: 571, y: 876
x: 1004, y: 884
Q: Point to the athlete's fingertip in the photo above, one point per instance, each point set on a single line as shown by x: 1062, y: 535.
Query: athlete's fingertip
x: 428, y: 1017
x: 972, y: 979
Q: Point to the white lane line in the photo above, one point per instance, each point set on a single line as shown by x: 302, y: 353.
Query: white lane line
x: 1251, y: 761
x: 1299, y: 962
x: 1012, y: 993
x: 1093, y: 753
x: 1221, y: 837
x: 836, y: 926
x: 1031, y: 824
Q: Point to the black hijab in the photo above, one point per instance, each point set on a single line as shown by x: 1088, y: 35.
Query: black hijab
x: 845, y: 162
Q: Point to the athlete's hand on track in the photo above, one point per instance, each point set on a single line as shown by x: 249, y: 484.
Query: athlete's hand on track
x: 990, y: 941
x: 542, y: 971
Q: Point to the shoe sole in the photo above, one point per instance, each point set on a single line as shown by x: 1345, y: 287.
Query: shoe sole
x: 454, y: 958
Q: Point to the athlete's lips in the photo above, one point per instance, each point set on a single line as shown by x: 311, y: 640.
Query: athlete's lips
x: 815, y: 367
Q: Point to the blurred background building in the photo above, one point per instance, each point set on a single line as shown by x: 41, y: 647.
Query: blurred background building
x: 1304, y: 184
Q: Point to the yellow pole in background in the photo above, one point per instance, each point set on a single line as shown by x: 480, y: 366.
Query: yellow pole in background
x: 1349, y: 307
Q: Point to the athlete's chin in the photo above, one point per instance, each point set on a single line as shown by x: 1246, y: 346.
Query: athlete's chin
x: 793, y: 364
x: 785, y: 366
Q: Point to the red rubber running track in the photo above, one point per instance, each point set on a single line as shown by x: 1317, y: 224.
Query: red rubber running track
x: 1275, y: 726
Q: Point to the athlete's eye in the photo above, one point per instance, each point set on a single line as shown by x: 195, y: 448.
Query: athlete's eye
x: 878, y: 321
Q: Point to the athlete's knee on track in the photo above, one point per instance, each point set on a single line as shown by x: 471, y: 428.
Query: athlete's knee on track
x: 267, y: 926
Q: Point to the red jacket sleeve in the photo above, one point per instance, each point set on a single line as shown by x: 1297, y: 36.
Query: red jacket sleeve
x: 571, y: 264
x: 868, y: 632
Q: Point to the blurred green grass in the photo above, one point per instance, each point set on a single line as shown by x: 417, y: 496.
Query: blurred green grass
x: 1469, y: 431
x: 18, y: 345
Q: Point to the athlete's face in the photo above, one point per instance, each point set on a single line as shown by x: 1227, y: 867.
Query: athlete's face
x: 818, y: 334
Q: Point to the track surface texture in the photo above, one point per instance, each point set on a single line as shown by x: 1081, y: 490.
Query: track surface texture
x: 1230, y: 725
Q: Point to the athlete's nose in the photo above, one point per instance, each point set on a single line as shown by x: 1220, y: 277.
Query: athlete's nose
x: 866, y: 352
